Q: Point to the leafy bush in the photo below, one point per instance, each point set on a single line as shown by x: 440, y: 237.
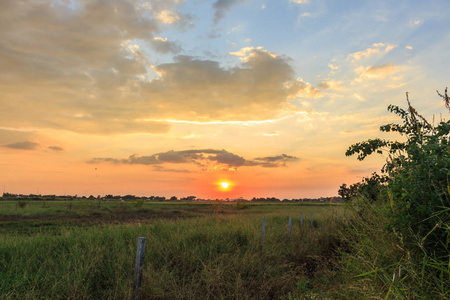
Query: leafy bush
x: 370, y: 188
x: 418, y: 173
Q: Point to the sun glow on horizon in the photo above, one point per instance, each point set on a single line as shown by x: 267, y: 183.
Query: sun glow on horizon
x: 224, y: 186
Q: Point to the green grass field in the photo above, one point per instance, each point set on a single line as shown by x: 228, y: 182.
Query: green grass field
x: 80, y: 249
x: 86, y: 250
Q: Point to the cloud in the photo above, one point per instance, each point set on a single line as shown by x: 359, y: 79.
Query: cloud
x: 359, y: 97
x: 166, y: 12
x: 26, y: 145
x: 333, y: 67
x: 274, y: 161
x: 298, y: 88
x: 221, y: 7
x: 272, y: 133
x: 80, y: 53
x: 168, y: 17
x: 202, y: 90
x: 202, y: 158
x: 331, y: 85
x: 9, y: 136
x: 83, y: 68
x: 162, y: 169
x: 380, y: 71
x: 414, y: 23
x: 396, y: 86
x: 56, y: 148
x: 376, y: 72
x: 161, y: 45
x: 299, y: 1
x: 377, y: 48
x: 346, y: 131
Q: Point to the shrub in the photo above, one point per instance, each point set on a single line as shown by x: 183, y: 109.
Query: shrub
x: 418, y: 173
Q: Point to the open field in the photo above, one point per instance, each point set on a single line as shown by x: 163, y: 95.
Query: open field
x: 86, y: 250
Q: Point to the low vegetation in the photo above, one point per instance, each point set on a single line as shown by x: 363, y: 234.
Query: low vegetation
x: 411, y: 198
x: 207, y: 251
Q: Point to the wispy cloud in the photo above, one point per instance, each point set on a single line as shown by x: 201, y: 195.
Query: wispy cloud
x: 56, y: 148
x: 376, y: 48
x: 331, y: 85
x: 359, y: 97
x: 26, y: 145
x: 376, y: 72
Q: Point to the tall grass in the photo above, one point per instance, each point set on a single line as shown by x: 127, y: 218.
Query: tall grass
x: 216, y: 257
x: 380, y: 264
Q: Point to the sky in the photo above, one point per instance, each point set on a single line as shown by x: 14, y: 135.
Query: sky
x: 173, y: 97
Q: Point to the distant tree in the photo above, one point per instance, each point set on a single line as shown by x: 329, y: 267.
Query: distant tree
x: 345, y: 192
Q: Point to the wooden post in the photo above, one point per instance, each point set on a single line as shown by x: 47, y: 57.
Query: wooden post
x: 311, y: 219
x: 263, y: 229
x: 289, y: 228
x: 140, y: 253
x: 301, y: 219
x: 336, y: 213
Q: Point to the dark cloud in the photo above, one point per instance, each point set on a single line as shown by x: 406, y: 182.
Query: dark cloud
x: 26, y: 145
x: 164, y: 46
x: 56, y: 148
x: 201, y: 157
x: 229, y: 159
x: 162, y: 169
x: 274, y: 161
x: 10, y: 136
x: 221, y: 7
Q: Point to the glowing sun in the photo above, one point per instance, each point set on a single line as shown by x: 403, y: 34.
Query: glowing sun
x: 224, y: 185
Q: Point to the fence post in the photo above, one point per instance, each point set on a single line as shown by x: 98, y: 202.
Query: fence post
x: 289, y: 228
x: 311, y: 219
x: 263, y: 229
x: 301, y: 219
x: 140, y: 253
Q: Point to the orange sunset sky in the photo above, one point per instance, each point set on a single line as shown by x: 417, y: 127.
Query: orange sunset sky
x: 172, y: 97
